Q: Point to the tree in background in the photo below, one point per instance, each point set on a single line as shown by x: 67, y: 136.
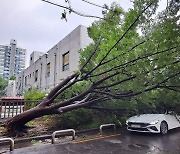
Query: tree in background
x: 32, y: 98
x: 3, y: 85
x: 122, y: 64
x: 34, y: 94
x: 13, y: 77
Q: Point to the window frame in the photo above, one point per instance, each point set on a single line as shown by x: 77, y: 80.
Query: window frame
x: 65, y: 65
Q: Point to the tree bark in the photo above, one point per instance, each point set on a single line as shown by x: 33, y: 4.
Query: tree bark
x: 16, y: 125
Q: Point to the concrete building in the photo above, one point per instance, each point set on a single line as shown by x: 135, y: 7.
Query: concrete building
x: 35, y: 56
x: 12, y: 59
x: 11, y: 88
x: 47, y: 70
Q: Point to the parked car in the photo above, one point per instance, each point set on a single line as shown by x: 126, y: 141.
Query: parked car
x: 153, y: 123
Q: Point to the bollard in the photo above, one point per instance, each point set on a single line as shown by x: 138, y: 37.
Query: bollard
x: 11, y: 141
x: 107, y: 125
x: 63, y: 131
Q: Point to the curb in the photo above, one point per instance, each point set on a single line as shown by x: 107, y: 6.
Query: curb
x: 43, y: 137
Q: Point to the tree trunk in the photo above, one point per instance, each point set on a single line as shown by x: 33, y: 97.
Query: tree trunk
x: 16, y: 125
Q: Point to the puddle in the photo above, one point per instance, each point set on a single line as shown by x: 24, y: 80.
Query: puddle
x: 148, y: 148
x: 138, y: 146
x: 115, y: 141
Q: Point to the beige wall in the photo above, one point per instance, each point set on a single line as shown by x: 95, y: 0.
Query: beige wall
x: 73, y: 42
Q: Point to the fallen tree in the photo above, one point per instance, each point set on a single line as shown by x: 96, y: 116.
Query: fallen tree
x: 106, y: 78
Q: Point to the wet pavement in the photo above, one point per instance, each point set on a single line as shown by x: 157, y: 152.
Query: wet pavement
x: 121, y: 143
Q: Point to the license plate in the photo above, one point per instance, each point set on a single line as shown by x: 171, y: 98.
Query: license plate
x: 136, y: 126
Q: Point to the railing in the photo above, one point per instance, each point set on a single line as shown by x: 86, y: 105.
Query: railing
x: 11, y: 141
x: 10, y: 108
x: 63, y: 131
x: 107, y: 125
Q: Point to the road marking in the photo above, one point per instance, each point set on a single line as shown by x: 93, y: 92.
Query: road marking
x: 94, y: 138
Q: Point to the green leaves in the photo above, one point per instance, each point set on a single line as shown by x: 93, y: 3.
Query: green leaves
x: 152, y: 62
x: 3, y: 85
x: 13, y: 77
x: 34, y: 94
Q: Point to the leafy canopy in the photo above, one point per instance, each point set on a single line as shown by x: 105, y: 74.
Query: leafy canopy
x: 154, y: 63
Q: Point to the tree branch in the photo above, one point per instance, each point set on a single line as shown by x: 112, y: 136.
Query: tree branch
x: 106, y: 108
x: 86, y: 103
x: 117, y: 42
x: 170, y: 88
x: 74, y: 11
x: 95, y: 49
x: 105, y: 78
x: 133, y: 61
x: 135, y: 46
x: 55, y: 92
x: 103, y: 7
x: 155, y: 86
x: 171, y: 76
x: 72, y: 100
x: 116, y: 83
x: 115, y: 96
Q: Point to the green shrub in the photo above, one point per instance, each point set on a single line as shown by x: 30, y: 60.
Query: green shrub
x: 33, y: 95
x: 74, y: 119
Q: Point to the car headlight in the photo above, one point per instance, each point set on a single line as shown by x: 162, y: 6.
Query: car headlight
x: 127, y: 122
x: 154, y: 122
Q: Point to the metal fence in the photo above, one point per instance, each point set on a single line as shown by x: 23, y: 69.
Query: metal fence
x: 11, y: 108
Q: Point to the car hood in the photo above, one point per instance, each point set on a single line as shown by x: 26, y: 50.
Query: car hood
x: 145, y: 118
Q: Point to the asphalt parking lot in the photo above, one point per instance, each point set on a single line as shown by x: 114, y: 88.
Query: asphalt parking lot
x: 123, y: 142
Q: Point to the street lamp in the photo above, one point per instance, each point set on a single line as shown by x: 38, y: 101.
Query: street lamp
x: 54, y: 69
x: 46, y: 54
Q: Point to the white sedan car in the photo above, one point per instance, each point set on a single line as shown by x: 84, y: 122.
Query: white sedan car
x: 153, y: 123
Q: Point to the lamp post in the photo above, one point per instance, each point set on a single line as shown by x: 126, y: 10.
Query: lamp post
x: 46, y: 70
x: 54, y: 69
x: 41, y: 77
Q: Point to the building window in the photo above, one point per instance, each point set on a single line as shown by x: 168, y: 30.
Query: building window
x: 26, y: 81
x: 48, y: 70
x: 36, y: 75
x: 65, y: 65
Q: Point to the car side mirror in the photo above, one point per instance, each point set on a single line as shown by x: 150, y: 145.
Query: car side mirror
x: 171, y: 112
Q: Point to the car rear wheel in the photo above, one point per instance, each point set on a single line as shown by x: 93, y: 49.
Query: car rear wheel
x: 163, y: 128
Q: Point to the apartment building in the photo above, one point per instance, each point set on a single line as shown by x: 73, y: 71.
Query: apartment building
x: 47, y: 70
x: 12, y: 59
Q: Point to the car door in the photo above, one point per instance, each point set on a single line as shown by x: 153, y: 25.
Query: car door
x: 173, y: 120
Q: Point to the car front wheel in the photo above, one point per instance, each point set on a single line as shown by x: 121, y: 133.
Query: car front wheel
x: 163, y: 128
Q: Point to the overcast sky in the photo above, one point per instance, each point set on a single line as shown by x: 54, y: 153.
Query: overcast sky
x: 37, y: 26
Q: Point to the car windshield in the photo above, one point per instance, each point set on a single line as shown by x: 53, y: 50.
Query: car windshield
x: 151, y: 111
x: 133, y: 112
